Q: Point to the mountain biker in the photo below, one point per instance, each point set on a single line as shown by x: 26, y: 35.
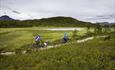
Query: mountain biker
x: 37, y: 40
x: 65, y: 38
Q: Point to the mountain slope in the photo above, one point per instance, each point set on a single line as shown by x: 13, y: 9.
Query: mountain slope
x: 5, y: 17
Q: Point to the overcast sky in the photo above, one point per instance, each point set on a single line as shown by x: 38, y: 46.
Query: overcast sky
x: 87, y: 10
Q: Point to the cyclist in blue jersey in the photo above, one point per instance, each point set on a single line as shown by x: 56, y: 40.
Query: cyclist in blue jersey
x: 65, y: 38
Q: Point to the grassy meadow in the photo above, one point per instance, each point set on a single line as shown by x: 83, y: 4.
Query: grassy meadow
x: 95, y: 54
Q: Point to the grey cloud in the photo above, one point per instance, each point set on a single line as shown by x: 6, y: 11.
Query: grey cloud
x: 81, y: 9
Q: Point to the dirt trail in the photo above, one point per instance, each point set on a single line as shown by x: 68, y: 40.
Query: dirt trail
x: 78, y: 41
x: 48, y: 47
x: 8, y: 53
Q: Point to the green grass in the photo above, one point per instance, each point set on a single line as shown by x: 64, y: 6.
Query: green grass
x: 95, y: 54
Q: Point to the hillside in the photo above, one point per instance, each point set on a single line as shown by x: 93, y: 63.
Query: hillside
x: 53, y: 21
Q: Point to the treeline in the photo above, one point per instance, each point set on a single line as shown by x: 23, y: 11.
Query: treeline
x: 54, y: 21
